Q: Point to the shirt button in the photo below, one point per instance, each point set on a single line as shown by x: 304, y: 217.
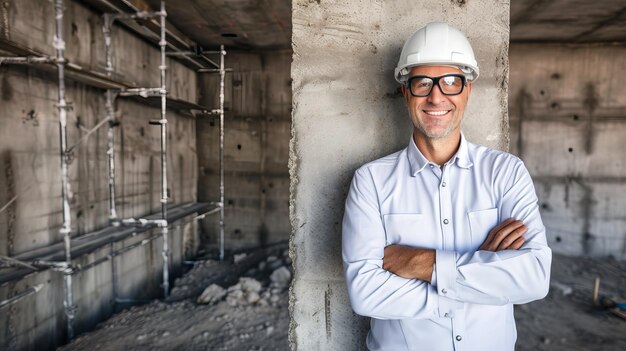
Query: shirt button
x: 444, y: 291
x: 446, y: 315
x: 458, y: 338
x: 445, y: 221
x: 443, y: 184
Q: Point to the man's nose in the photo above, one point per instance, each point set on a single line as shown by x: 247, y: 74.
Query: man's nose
x: 436, y: 96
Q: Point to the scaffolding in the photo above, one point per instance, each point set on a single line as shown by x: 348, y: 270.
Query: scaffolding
x: 115, y: 89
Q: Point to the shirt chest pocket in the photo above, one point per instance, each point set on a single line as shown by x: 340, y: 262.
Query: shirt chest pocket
x: 412, y: 229
x: 481, y: 222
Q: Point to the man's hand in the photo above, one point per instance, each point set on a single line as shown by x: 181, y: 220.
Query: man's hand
x: 505, y: 236
x: 409, y: 262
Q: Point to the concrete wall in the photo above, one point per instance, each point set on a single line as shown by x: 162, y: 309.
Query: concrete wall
x: 348, y: 110
x: 30, y: 168
x: 257, y: 132
x: 568, y: 123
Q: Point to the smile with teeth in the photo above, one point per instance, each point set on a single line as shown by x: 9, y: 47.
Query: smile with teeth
x: 436, y: 113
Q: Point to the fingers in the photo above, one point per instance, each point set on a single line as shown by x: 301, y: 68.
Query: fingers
x: 504, y: 235
x: 503, y: 224
x: 494, y: 231
x: 512, y: 237
x: 504, y: 232
x: 517, y: 243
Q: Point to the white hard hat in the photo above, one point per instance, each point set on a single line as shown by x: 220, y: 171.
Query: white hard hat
x: 437, y: 43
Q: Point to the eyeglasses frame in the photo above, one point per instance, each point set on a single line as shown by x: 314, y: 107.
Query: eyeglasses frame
x: 436, y: 83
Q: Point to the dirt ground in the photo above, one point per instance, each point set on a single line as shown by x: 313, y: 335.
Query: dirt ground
x: 182, y: 324
x: 565, y: 320
x: 569, y: 321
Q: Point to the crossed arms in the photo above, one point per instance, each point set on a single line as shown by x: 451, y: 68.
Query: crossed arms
x: 415, y: 263
x: 398, y: 282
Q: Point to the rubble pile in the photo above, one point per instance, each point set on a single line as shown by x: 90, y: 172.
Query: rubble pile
x: 250, y: 291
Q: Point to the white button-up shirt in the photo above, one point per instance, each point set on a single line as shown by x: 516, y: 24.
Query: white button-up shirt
x: 405, y: 199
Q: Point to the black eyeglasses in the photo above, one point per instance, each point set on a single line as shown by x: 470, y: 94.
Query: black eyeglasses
x: 449, y: 84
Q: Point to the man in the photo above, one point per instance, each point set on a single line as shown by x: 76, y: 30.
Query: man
x: 441, y: 238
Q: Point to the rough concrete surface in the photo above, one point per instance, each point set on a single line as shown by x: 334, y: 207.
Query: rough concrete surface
x: 347, y: 111
x: 568, y: 121
x: 257, y: 131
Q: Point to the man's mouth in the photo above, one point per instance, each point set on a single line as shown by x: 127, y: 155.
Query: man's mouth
x: 436, y: 112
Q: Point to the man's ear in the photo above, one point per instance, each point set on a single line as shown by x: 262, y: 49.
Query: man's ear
x: 469, y: 87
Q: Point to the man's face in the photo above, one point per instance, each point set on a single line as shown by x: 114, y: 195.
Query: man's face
x: 437, y: 115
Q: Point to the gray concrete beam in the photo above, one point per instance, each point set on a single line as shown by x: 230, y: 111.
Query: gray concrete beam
x: 347, y: 111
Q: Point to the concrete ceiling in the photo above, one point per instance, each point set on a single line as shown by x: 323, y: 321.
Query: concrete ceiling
x: 266, y: 24
x: 569, y: 21
x: 240, y: 24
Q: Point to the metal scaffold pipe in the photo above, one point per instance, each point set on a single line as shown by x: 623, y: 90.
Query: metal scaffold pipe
x: 222, y: 74
x: 63, y: 107
x: 110, y: 115
x: 163, y: 122
x: 32, y: 290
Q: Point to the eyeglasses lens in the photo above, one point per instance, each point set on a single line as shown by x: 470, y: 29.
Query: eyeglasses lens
x: 449, y: 85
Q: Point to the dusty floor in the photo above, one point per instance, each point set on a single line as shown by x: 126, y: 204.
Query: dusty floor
x: 231, y: 324
x: 570, y: 322
x: 559, y: 322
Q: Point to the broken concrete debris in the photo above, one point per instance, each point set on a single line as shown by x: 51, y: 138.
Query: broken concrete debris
x: 211, y: 295
x: 280, y: 278
x: 238, y: 257
x: 250, y: 291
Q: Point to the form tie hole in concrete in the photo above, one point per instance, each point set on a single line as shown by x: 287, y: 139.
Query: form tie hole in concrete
x: 570, y: 149
x: 271, y: 185
x: 558, y: 239
x: 238, y: 146
x: 545, y: 206
x: 230, y: 202
x: 31, y: 117
x: 555, y: 105
x: 575, y: 117
x: 542, y: 92
x: 237, y: 234
x: 555, y: 76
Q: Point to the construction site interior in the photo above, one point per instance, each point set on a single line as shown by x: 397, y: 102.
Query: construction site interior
x: 173, y: 173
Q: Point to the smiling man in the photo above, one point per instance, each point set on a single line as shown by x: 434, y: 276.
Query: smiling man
x: 440, y: 239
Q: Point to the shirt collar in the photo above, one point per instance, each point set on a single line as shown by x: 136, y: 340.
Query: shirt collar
x: 418, y: 161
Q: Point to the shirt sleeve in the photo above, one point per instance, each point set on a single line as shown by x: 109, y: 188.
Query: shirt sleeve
x: 373, y: 291
x: 507, y: 276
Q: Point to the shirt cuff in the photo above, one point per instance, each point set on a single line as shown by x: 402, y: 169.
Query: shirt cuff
x: 444, y: 276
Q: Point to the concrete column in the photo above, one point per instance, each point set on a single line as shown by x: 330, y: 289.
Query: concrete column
x: 347, y: 110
